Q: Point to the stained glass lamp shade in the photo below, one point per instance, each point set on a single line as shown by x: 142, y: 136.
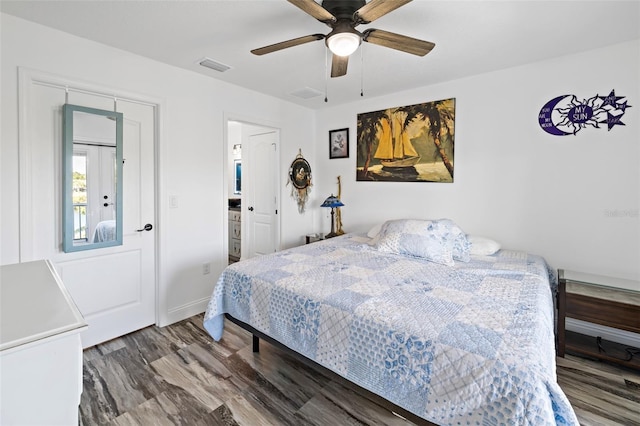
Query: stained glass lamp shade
x: 332, y: 202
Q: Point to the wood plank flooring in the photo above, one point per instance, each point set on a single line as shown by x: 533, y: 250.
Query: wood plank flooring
x: 177, y: 375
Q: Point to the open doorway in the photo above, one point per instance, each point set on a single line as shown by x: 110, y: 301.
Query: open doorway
x: 253, y: 189
x: 234, y: 189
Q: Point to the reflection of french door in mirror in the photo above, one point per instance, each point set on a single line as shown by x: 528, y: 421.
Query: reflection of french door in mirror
x: 93, y: 192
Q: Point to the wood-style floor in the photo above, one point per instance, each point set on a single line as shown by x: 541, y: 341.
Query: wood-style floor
x: 178, y: 376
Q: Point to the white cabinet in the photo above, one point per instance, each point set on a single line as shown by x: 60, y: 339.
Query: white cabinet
x: 235, y: 227
x: 40, y: 348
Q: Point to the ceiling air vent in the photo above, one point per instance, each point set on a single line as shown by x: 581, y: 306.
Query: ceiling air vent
x: 214, y: 65
x: 307, y: 93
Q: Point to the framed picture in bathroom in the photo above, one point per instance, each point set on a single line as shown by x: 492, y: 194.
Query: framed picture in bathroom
x: 237, y: 176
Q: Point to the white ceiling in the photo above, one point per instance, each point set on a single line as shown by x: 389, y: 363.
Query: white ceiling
x: 471, y: 37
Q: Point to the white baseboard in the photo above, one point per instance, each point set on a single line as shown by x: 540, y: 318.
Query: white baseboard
x: 607, y: 333
x: 183, y: 312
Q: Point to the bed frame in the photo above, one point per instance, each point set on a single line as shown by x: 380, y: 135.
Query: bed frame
x: 393, y: 408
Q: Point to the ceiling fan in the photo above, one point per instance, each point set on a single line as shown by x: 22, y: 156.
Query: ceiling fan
x: 343, y: 16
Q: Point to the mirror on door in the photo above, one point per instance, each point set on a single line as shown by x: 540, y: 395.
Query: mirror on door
x: 91, y: 178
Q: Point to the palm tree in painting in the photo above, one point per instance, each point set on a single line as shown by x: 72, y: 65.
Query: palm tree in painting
x: 368, y: 127
x: 438, y: 114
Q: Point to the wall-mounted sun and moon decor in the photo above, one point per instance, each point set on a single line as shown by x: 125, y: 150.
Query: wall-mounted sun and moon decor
x: 566, y: 115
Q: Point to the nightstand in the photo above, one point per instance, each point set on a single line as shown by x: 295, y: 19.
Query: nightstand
x: 599, y: 300
x: 312, y: 238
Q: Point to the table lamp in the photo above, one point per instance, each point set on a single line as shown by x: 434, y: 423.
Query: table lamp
x: 332, y: 201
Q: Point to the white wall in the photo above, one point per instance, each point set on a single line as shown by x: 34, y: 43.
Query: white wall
x: 573, y: 199
x: 191, y: 153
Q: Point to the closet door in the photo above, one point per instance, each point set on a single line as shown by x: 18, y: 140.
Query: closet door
x: 113, y: 287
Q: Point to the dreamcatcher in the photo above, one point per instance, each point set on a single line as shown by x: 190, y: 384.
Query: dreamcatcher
x: 300, y: 178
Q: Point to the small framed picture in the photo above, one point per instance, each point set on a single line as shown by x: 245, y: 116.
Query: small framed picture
x: 237, y: 189
x: 339, y: 143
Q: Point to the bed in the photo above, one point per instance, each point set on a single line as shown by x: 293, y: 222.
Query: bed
x: 105, y: 231
x: 413, y: 315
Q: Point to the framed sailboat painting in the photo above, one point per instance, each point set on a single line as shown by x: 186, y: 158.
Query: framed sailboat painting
x: 412, y: 143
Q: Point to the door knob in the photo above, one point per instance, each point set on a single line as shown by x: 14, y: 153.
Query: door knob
x: 250, y: 209
x: 147, y: 227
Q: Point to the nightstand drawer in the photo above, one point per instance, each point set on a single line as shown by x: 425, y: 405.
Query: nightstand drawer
x: 605, y: 312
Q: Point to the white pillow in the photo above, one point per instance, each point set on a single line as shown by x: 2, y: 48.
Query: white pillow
x: 482, y: 246
x: 373, y: 232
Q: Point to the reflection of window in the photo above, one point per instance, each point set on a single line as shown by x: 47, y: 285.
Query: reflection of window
x: 79, y: 196
x: 79, y: 177
x: 237, y: 189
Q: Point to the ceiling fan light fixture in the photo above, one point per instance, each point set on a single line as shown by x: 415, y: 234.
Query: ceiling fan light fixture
x: 343, y: 43
x: 343, y: 16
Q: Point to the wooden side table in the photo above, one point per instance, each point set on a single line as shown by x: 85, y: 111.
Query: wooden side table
x: 599, y: 300
x: 312, y: 238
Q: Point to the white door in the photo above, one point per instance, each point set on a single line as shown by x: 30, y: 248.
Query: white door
x: 260, y: 194
x: 114, y: 287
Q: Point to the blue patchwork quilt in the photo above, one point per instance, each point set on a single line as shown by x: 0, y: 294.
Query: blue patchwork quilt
x: 471, y: 343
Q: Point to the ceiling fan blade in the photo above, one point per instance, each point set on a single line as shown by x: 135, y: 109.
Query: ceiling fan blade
x: 398, y: 42
x: 339, y: 65
x: 285, y: 44
x: 314, y: 9
x: 377, y: 8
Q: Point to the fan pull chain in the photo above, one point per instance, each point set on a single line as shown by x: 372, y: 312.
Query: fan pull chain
x: 361, y: 70
x: 326, y: 73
